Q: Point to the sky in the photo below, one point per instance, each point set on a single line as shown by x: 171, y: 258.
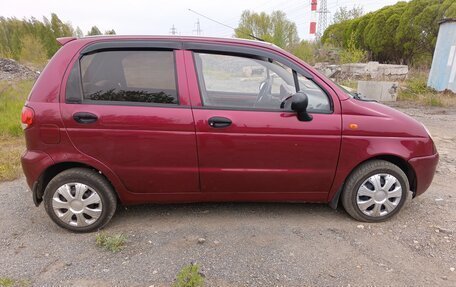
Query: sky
x: 141, y: 17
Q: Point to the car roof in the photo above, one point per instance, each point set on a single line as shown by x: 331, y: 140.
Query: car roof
x: 237, y: 41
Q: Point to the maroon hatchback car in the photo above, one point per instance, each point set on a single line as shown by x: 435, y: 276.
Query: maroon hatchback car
x: 185, y: 119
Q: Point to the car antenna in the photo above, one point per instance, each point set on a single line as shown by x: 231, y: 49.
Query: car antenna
x: 228, y: 26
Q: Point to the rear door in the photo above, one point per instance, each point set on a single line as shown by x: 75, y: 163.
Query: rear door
x: 127, y: 106
x: 250, y: 146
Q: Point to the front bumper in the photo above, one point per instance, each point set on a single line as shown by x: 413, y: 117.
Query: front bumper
x: 424, y: 168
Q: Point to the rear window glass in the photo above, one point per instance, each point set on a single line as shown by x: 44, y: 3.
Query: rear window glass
x: 129, y: 76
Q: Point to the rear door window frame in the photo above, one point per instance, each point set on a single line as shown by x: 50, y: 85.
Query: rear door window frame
x: 160, y: 46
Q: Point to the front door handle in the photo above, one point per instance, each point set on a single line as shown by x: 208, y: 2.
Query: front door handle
x: 85, y: 117
x: 219, y: 122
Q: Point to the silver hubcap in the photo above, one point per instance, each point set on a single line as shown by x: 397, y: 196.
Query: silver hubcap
x: 77, y: 204
x: 379, y: 195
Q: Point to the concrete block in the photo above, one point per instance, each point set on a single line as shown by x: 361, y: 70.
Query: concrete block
x: 371, y: 70
x: 379, y: 91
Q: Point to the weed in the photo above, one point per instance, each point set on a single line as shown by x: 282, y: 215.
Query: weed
x: 8, y: 282
x: 416, y: 90
x: 11, y: 149
x: 434, y: 101
x: 113, y: 243
x: 189, y: 276
x: 12, y: 99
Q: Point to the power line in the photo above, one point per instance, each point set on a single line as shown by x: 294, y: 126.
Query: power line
x: 220, y: 23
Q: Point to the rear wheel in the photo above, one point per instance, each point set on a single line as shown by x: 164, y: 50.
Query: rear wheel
x: 375, y: 191
x: 80, y: 200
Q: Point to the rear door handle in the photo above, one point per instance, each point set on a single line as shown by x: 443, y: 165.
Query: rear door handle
x: 85, y: 117
x: 219, y: 122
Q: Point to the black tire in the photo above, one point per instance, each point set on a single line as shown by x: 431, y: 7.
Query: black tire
x: 95, y: 181
x: 359, y: 175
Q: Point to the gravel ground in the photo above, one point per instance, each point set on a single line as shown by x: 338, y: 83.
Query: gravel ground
x: 246, y: 244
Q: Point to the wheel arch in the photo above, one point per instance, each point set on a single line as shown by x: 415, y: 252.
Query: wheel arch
x: 394, y: 159
x: 51, y: 171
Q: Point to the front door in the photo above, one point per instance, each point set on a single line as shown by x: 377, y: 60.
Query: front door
x: 250, y: 142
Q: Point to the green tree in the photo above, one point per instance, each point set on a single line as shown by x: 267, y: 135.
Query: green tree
x: 51, y: 30
x: 352, y: 54
x: 344, y: 14
x: 304, y: 50
x: 18, y: 38
x: 274, y: 28
x: 448, y: 9
x: 33, y: 51
x: 78, y: 32
x: 110, y: 32
x: 379, y: 33
x: 410, y: 29
x: 335, y: 34
x: 402, y: 33
x: 59, y: 28
x: 10, y: 37
x: 94, y: 31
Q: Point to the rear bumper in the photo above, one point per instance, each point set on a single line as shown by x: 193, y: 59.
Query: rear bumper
x: 424, y: 168
x: 33, y: 165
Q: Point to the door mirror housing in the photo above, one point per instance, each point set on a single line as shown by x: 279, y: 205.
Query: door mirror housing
x: 299, y: 103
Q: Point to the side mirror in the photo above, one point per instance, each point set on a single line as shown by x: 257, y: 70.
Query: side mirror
x: 299, y: 103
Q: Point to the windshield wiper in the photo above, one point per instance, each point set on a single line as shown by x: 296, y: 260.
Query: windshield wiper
x: 357, y: 96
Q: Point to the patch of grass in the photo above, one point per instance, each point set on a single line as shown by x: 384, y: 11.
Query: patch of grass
x: 11, y: 149
x: 189, y: 276
x: 415, y: 89
x: 8, y: 282
x: 434, y: 101
x: 12, y: 99
x: 113, y: 243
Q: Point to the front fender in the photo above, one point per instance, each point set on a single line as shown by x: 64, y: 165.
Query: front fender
x: 358, y: 149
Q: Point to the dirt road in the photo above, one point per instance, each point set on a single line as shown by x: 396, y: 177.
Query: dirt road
x: 246, y: 244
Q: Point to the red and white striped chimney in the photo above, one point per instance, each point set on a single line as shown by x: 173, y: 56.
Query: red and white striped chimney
x: 313, y: 17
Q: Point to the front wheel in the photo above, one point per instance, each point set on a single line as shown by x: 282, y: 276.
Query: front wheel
x: 375, y: 191
x: 80, y: 200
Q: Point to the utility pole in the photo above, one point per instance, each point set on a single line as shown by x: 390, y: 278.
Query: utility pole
x: 322, y: 18
x: 173, y: 30
x: 198, y: 30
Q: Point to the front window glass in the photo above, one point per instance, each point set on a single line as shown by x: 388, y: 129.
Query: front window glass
x: 241, y: 82
x: 228, y: 81
x: 318, y: 100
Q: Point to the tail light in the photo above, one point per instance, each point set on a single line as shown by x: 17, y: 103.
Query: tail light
x: 27, y: 117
